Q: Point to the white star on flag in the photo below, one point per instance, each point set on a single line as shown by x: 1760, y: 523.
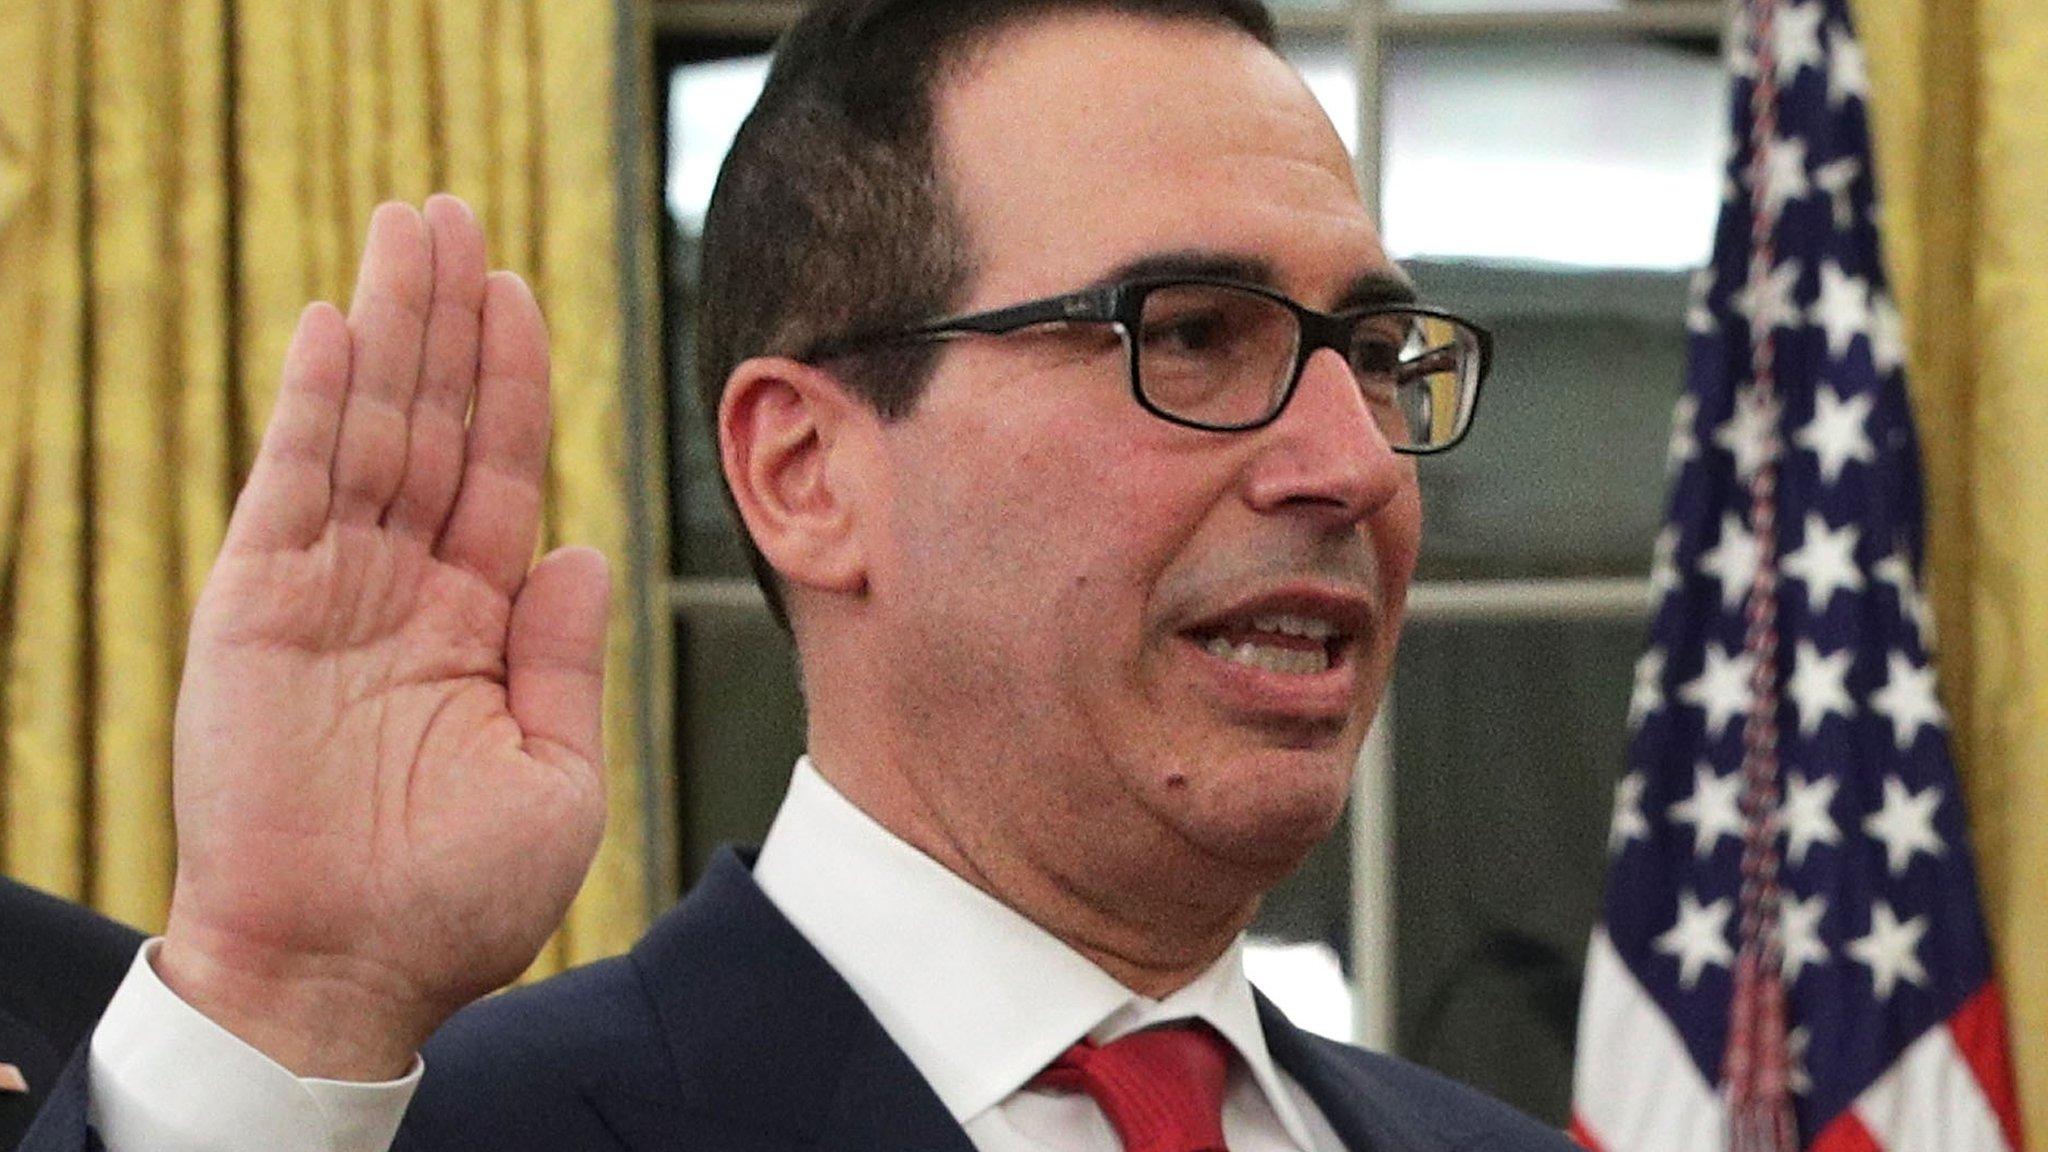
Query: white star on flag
x: 1795, y: 31
x: 1722, y: 688
x: 1907, y: 699
x: 1847, y: 75
x: 1664, y: 563
x: 1797, y: 1041
x: 1771, y: 304
x: 1733, y: 561
x: 1750, y: 433
x: 1648, y: 694
x: 1897, y: 571
x: 1905, y: 824
x: 1837, y: 433
x: 1629, y: 822
x: 1714, y: 809
x: 1799, y: 933
x: 1891, y: 950
x: 1837, y: 178
x: 1785, y: 173
x: 1699, y: 939
x: 1806, y: 816
x: 1825, y: 562
x: 1741, y: 59
x: 1699, y: 314
x: 1887, y: 334
x: 1683, y: 447
x: 1819, y: 686
x: 1843, y: 309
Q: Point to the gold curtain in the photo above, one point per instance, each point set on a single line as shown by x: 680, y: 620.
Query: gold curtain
x: 1959, y: 97
x: 176, y: 181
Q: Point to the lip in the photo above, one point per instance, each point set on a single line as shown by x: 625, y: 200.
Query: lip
x: 1330, y: 696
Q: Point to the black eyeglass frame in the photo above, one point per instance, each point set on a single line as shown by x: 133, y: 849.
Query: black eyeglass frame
x: 1122, y: 304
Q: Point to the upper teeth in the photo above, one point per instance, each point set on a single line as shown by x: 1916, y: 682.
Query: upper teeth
x: 1304, y: 626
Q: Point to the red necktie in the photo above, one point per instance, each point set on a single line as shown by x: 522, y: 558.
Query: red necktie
x: 1162, y: 1088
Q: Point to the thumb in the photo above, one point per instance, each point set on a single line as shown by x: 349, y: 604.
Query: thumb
x: 554, y: 654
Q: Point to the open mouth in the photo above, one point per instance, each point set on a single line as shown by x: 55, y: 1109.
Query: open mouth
x: 1283, y: 642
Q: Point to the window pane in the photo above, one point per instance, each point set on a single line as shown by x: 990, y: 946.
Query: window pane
x: 1599, y: 154
x: 1563, y: 473
x: 1507, y: 741
x: 706, y: 103
x: 1590, y: 154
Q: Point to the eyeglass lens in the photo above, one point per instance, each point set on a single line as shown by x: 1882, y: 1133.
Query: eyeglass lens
x: 1224, y: 358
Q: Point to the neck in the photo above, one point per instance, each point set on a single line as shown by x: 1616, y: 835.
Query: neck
x: 1152, y: 928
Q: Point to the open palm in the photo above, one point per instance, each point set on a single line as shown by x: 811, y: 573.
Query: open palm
x: 388, y: 778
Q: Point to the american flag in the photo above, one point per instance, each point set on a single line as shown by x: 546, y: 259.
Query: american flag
x: 1792, y: 955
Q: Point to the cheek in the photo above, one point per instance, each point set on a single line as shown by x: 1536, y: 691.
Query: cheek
x: 1397, y: 540
x: 989, y: 526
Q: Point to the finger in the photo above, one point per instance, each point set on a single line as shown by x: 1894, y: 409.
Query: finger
x: 497, y: 512
x: 447, y: 377
x: 387, y: 320
x: 554, y: 654
x: 285, y: 502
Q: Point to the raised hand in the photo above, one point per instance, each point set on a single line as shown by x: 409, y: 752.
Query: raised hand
x: 388, y: 758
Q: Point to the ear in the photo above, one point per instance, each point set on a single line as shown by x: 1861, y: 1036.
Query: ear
x: 790, y: 438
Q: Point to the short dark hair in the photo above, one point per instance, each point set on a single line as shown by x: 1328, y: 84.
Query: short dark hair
x: 830, y: 216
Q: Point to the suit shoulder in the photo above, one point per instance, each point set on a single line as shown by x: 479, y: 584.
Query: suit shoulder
x: 584, y: 1018
x: 521, y: 1069
x: 1459, y: 1116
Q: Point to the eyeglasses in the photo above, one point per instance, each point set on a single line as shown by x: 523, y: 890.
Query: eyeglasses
x: 1226, y: 356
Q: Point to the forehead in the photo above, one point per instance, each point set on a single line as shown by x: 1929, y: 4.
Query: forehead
x: 1083, y: 142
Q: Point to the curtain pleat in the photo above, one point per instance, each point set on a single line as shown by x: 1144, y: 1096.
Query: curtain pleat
x: 1959, y: 94
x: 204, y: 412
x: 580, y: 278
x: 176, y: 182
x: 48, y: 804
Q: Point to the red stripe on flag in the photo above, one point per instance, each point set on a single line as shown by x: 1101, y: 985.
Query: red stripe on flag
x: 1583, y: 1135
x: 1846, y: 1134
x: 1979, y: 1029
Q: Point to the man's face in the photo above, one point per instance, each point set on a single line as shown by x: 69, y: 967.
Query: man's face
x: 1089, y: 609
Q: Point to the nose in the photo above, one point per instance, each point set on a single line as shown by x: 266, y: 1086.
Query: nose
x: 1326, y: 455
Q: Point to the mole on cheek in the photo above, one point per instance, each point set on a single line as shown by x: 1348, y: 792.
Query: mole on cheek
x: 1176, y: 781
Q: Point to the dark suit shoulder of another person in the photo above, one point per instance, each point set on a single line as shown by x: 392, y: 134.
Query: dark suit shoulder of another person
x: 59, y: 965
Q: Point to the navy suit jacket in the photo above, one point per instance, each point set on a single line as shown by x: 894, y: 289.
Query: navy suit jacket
x: 725, y: 1031
x: 59, y: 965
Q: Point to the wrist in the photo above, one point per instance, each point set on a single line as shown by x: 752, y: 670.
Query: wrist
x: 328, y: 1018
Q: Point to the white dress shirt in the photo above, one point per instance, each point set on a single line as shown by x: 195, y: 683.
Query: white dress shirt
x: 978, y: 997
x: 164, y: 1078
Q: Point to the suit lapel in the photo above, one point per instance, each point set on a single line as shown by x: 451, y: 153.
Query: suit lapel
x: 882, y: 1102
x: 1358, y: 1106
x: 770, y: 1049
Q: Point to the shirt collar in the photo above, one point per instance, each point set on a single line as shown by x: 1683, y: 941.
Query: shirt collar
x: 977, y: 996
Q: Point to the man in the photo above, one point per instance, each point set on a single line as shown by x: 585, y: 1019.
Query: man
x: 58, y: 965
x: 1093, y: 543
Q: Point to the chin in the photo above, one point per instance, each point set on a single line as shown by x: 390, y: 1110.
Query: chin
x: 1266, y: 812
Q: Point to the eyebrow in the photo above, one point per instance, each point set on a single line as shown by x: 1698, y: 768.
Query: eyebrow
x: 1367, y: 290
